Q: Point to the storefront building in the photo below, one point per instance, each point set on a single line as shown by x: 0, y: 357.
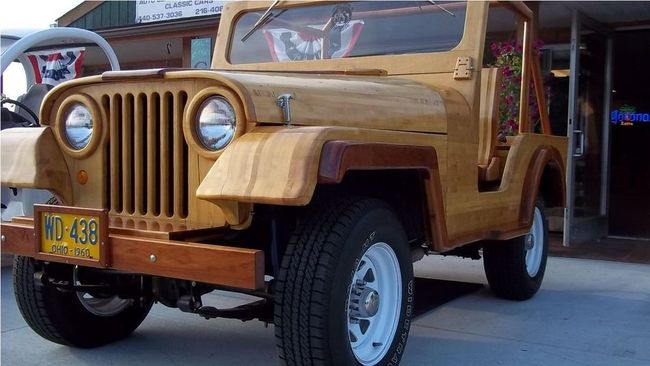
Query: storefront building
x: 593, y: 56
x: 599, y: 98
x: 150, y: 34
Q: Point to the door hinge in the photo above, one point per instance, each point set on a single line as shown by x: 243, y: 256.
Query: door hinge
x: 463, y: 69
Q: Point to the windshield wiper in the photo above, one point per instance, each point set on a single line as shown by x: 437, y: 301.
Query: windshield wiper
x: 260, y: 21
x: 443, y: 9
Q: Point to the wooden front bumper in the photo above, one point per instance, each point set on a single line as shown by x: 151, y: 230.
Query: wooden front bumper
x: 213, y: 264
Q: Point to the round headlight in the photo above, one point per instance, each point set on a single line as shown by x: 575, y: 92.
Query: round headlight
x: 78, y: 126
x: 216, y: 123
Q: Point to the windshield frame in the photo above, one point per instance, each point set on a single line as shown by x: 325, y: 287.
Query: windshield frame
x: 469, y: 45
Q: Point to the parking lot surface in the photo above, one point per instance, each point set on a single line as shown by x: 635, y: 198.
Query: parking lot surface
x: 587, y: 313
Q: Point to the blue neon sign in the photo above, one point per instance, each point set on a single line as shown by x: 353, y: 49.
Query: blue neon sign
x: 628, y: 116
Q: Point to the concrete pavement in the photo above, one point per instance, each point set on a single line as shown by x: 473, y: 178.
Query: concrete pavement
x: 587, y: 313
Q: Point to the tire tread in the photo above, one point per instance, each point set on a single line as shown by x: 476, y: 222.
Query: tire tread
x: 303, y: 279
x: 31, y: 303
x: 505, y: 266
x: 59, y: 317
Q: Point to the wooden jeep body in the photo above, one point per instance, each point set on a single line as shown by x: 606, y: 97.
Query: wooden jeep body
x: 418, y: 130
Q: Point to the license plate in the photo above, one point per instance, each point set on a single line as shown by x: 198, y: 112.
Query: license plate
x: 69, y: 232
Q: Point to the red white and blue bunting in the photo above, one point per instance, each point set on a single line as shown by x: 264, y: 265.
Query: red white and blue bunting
x: 55, y: 67
x: 290, y: 45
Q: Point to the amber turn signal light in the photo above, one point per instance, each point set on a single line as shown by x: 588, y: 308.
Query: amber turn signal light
x: 82, y: 177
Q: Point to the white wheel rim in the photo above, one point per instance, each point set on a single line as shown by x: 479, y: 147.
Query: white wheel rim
x: 100, y: 306
x: 374, y: 304
x: 535, y: 244
x: 109, y: 306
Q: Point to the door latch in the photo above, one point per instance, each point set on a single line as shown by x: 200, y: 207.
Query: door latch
x: 579, y: 147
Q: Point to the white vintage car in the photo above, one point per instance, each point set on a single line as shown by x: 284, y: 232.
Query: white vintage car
x: 16, y: 46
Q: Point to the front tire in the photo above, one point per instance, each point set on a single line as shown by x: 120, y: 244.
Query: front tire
x: 72, y: 318
x: 344, y: 293
x: 515, y: 268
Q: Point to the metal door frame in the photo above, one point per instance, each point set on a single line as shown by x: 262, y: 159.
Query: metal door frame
x: 597, y: 224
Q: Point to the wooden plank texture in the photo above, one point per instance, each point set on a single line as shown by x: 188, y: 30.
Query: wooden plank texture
x: 236, y: 267
x: 214, y: 264
x: 17, y: 239
x: 329, y: 100
x: 30, y: 158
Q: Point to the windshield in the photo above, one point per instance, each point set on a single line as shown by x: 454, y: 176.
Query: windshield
x: 352, y: 29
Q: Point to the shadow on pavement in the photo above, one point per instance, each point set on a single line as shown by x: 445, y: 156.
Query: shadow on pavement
x: 430, y: 293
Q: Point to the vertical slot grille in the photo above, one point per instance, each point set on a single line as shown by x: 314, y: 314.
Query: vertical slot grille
x: 148, y: 155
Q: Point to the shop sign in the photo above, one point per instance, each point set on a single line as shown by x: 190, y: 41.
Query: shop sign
x: 147, y: 11
x: 628, y: 116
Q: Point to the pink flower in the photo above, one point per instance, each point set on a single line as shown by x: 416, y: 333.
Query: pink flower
x: 508, y: 58
x: 495, y: 49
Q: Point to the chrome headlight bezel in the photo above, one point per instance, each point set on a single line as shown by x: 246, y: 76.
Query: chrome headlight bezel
x: 215, y: 123
x: 96, y: 115
x: 192, y: 114
x: 78, y: 126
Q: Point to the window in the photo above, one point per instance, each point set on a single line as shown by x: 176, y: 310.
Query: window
x: 201, y: 53
x: 354, y: 29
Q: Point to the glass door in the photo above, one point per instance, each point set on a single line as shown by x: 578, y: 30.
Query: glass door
x: 588, y: 131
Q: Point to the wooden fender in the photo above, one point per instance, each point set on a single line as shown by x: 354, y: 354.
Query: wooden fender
x: 280, y: 165
x: 545, y: 160
x: 340, y: 157
x: 31, y: 158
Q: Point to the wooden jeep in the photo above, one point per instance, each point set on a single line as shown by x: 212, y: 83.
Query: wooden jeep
x: 329, y: 147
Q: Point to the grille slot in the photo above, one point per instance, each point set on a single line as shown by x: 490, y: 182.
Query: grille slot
x: 148, y: 155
